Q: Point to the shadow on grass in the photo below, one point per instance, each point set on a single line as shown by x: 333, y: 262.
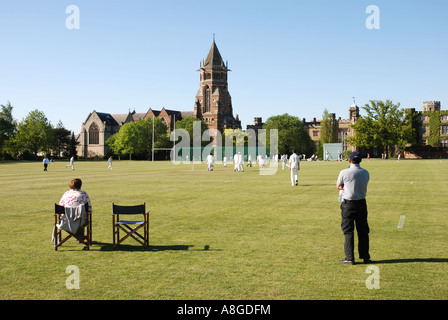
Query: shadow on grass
x: 411, y: 260
x: 128, y: 247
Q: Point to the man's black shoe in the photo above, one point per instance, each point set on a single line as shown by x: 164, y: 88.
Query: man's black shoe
x: 345, y: 261
x: 367, y: 261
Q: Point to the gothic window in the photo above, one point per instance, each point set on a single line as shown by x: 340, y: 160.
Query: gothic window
x: 94, y: 134
x: 207, y: 99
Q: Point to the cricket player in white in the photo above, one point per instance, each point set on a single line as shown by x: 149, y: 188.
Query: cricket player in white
x: 72, y: 159
x: 294, y: 167
x: 235, y: 163
x: 240, y: 162
x: 209, y: 162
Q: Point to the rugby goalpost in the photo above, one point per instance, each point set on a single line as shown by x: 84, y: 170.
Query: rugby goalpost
x: 332, y: 151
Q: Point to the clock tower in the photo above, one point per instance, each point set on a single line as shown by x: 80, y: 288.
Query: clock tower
x: 213, y: 103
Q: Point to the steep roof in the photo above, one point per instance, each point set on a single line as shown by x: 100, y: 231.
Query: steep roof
x: 107, y: 118
x: 214, y: 59
x: 121, y: 118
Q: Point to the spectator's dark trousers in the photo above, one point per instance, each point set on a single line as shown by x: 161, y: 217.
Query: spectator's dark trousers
x: 354, y: 212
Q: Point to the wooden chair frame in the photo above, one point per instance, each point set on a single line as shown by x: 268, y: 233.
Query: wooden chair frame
x: 57, y: 233
x: 130, y: 227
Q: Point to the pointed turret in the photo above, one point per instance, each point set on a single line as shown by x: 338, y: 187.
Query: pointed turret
x: 214, y: 59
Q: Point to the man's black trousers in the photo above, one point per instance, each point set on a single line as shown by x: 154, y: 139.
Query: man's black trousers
x: 354, y: 212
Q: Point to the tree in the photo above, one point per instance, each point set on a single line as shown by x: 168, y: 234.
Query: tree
x: 384, y: 127
x: 187, y: 124
x: 34, y: 133
x: 62, y: 140
x: 291, y: 134
x: 145, y: 129
x: 7, y: 126
x: 328, y: 133
x: 125, y: 141
x: 135, y: 138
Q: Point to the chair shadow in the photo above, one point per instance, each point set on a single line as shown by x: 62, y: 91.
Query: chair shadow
x: 127, y: 247
x: 411, y: 260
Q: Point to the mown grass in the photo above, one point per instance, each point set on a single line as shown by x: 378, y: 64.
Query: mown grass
x: 226, y: 235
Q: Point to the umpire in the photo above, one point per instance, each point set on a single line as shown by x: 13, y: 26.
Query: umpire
x: 353, y: 181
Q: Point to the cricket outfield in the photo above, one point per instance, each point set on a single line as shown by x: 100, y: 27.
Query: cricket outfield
x: 226, y: 235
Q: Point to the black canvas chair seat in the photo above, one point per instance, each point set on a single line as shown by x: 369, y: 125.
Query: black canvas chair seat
x: 86, y: 240
x: 136, y: 229
x: 130, y: 222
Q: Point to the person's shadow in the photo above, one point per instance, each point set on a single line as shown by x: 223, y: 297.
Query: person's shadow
x: 410, y: 260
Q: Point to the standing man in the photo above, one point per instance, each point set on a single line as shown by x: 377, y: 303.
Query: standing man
x: 45, y: 163
x: 209, y: 162
x: 249, y: 161
x: 353, y: 181
x: 110, y: 162
x: 236, y: 166
x: 240, y: 162
x: 294, y: 167
x: 72, y: 159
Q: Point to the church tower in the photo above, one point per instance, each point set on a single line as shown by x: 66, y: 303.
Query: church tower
x: 213, y: 103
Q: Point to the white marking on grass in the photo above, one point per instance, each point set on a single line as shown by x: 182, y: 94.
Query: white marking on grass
x: 401, y: 222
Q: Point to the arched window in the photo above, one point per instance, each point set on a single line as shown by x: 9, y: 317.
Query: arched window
x: 207, y: 99
x: 94, y: 134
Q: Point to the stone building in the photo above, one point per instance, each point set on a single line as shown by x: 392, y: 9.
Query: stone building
x: 437, y: 137
x: 213, y: 105
x: 97, y: 128
x: 341, y: 126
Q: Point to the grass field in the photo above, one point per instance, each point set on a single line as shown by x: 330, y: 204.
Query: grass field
x: 226, y: 235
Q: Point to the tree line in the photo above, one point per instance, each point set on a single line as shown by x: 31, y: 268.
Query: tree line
x: 385, y: 127
x: 33, y: 136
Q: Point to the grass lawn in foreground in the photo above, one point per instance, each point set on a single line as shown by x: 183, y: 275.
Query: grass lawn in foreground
x: 226, y: 235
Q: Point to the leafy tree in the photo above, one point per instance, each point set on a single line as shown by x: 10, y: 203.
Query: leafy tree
x: 34, y: 134
x: 383, y: 127
x: 239, y: 137
x: 328, y: 133
x: 135, y: 138
x: 187, y: 124
x: 161, y: 139
x: 125, y: 141
x: 291, y: 134
x: 7, y: 126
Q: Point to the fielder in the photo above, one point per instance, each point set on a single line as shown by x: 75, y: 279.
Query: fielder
x: 72, y: 159
x: 294, y: 167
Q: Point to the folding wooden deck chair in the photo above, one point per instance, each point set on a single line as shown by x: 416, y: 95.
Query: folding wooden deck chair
x: 131, y: 228
x: 86, y: 240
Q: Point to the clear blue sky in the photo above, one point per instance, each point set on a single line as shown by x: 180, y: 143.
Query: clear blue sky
x: 296, y: 57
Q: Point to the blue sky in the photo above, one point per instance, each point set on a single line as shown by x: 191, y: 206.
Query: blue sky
x: 296, y: 57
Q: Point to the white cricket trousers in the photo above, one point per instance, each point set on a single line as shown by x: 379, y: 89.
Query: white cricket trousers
x: 294, y: 176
